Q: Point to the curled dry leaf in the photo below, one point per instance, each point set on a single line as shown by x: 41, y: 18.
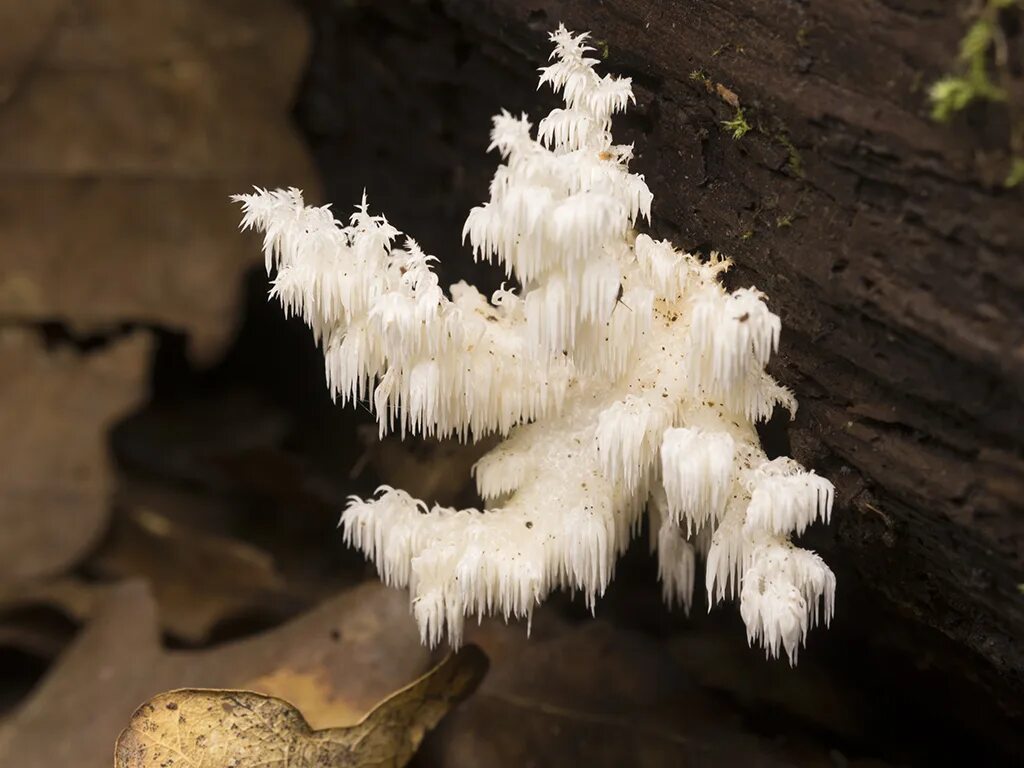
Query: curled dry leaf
x: 333, y: 663
x: 241, y: 728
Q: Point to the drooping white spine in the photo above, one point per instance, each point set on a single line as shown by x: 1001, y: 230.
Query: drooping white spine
x: 624, y: 433
x: 677, y: 556
x: 620, y: 374
x: 786, y: 499
x: 781, y: 594
x: 697, y: 468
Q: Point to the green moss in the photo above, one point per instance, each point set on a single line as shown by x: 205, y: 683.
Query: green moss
x: 972, y: 81
x: 794, y: 161
x: 980, y: 65
x: 738, y: 125
x: 700, y: 76
x: 950, y: 95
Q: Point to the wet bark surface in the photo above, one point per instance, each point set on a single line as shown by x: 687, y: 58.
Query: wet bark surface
x: 885, y: 241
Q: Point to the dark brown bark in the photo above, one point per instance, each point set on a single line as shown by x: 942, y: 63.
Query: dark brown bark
x: 884, y: 240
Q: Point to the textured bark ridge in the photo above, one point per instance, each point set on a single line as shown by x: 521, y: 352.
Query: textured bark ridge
x: 884, y: 240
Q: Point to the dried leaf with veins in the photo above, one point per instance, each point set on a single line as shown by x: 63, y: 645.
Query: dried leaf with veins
x: 334, y: 663
x: 240, y: 728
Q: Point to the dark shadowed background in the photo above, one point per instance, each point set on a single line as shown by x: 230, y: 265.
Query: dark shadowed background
x: 172, y: 468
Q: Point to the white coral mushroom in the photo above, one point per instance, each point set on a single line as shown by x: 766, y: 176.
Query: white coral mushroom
x: 622, y: 374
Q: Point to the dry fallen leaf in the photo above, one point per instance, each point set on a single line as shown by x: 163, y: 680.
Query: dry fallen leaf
x: 727, y: 95
x: 40, y: 617
x: 55, y: 478
x: 204, y: 585
x: 200, y: 580
x: 245, y: 729
x: 132, y: 125
x: 333, y: 663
